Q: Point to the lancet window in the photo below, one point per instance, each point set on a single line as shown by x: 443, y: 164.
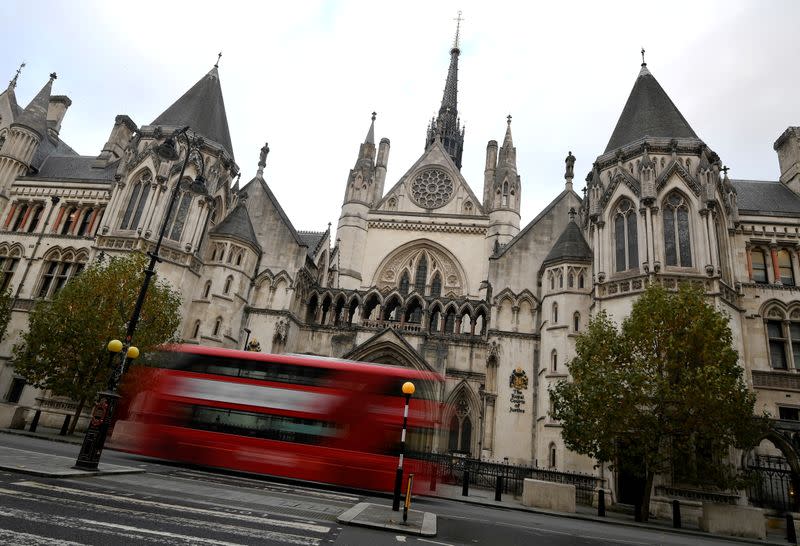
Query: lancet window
x: 677, y: 242
x: 138, y: 199
x: 626, y: 243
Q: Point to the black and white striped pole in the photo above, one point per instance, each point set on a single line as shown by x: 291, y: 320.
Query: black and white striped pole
x: 408, y: 390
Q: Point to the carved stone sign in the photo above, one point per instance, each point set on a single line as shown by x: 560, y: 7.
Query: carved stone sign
x: 518, y: 382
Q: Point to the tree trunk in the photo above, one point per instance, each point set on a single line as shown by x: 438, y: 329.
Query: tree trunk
x: 76, y: 416
x: 648, y: 487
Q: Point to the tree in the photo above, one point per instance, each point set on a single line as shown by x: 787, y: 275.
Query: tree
x: 665, y: 390
x: 5, y: 312
x: 64, y: 348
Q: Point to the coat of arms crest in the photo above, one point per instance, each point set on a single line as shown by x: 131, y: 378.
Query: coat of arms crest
x: 518, y: 379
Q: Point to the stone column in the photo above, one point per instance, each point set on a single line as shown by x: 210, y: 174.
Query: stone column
x: 749, y: 253
x: 776, y: 270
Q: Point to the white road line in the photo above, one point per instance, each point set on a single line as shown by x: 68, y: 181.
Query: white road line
x: 178, y: 508
x: 435, y: 542
x: 15, y: 538
x: 400, y: 538
x: 190, y: 539
x: 70, y: 522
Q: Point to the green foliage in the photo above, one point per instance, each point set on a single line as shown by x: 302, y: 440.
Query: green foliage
x: 5, y: 312
x: 64, y: 348
x: 665, y: 390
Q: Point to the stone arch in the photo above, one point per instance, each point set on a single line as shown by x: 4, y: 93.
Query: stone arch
x: 461, y: 420
x: 414, y: 309
x: 787, y: 442
x: 439, y: 259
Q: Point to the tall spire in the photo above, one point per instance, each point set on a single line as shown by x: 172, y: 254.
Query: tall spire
x: 13, y: 83
x: 371, y: 133
x: 447, y: 125
x: 203, y: 109
x: 35, y: 114
x: 649, y: 112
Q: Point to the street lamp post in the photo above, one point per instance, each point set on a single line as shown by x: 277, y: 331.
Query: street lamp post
x: 95, y: 437
x: 247, y: 337
x: 408, y: 390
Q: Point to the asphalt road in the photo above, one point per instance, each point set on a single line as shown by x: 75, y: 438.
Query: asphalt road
x: 180, y: 506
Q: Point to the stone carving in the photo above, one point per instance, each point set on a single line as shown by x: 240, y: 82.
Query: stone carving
x: 518, y: 379
x: 432, y: 188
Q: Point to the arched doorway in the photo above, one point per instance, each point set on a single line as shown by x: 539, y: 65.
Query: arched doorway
x: 774, y: 469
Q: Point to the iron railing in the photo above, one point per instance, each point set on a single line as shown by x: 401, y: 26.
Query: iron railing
x: 483, y: 474
x: 771, y: 485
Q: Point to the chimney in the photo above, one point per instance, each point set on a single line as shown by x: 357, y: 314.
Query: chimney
x: 55, y: 112
x: 788, y: 148
x: 120, y: 135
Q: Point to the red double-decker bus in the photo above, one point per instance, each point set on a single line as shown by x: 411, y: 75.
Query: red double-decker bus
x: 304, y: 417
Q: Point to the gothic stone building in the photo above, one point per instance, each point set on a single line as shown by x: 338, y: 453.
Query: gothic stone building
x: 428, y: 274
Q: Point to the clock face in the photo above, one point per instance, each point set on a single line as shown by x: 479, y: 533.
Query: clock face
x: 432, y: 188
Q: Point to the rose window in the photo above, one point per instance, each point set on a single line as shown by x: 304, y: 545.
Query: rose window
x: 432, y: 188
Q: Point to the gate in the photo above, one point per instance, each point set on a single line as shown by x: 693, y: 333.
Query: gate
x: 771, y: 485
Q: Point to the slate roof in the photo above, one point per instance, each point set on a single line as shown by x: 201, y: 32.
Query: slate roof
x: 49, y: 147
x: 274, y: 200
x: 203, y: 109
x: 76, y: 167
x: 312, y: 239
x: 648, y: 112
x: 238, y: 225
x: 766, y: 198
x: 570, y: 246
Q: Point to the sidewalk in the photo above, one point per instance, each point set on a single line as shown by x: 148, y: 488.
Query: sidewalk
x: 39, y: 464
x: 52, y: 466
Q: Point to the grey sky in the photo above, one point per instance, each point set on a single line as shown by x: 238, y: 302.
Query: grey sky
x: 305, y: 77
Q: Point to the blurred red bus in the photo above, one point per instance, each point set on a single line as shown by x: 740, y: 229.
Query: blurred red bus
x: 304, y: 417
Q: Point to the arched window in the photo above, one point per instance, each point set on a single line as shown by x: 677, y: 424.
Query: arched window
x: 22, y: 212
x: 759, y: 261
x: 421, y: 276
x: 57, y: 271
x: 8, y: 264
x: 239, y: 258
x: 69, y: 220
x: 625, y: 237
x: 87, y: 217
x: 785, y: 267
x: 505, y: 194
x: 196, y: 331
x: 570, y: 280
x: 551, y: 455
x: 228, y: 282
x: 576, y: 321
x: 36, y: 216
x: 677, y: 242
x: 778, y: 350
x: 177, y: 217
x: 554, y: 361
x: 581, y: 282
x: 560, y: 280
x: 217, y: 326
x: 436, y: 285
x: 552, y: 281
x: 555, y: 313
x: 207, y: 290
x: 138, y: 199
x: 404, y: 283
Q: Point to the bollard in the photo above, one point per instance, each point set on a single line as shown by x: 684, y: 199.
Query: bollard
x: 465, y: 487
x: 637, y: 512
x: 498, y: 488
x: 601, y: 503
x: 407, y: 503
x: 676, y: 514
x: 791, y: 532
x: 65, y: 426
x: 35, y: 422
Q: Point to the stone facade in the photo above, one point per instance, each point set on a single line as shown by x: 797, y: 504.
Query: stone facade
x: 426, y: 274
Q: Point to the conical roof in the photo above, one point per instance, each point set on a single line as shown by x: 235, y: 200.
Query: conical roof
x: 571, y: 246
x: 35, y: 114
x: 648, y: 112
x: 203, y: 110
x: 238, y: 225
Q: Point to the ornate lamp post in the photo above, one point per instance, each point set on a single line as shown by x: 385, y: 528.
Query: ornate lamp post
x: 247, y: 337
x: 95, y: 437
x: 408, y: 390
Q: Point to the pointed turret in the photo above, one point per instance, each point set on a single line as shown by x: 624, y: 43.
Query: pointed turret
x: 570, y: 246
x: 203, y: 109
x: 360, y: 185
x: 34, y: 117
x: 447, y: 125
x: 501, y: 192
x: 648, y: 112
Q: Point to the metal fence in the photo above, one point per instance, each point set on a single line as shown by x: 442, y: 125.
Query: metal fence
x: 451, y: 469
x: 771, y: 485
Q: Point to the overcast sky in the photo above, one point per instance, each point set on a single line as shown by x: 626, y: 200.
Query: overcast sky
x: 305, y: 76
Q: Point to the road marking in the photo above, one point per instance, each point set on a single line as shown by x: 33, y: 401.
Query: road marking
x: 27, y: 539
x: 400, y: 538
x: 434, y: 542
x: 70, y: 523
x: 178, y: 508
x: 192, y: 539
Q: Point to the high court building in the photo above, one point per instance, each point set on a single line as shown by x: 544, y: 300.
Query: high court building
x: 429, y: 270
